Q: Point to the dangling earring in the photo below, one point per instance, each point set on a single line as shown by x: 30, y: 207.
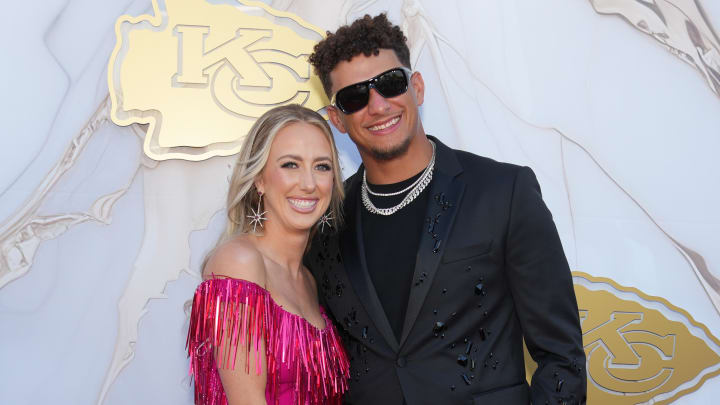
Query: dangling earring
x: 326, y: 220
x: 257, y: 217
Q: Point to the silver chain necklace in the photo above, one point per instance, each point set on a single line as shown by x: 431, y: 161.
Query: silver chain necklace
x: 414, y: 183
x: 415, y: 189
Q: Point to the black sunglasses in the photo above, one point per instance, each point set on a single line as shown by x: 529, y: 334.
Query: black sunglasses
x: 355, y: 97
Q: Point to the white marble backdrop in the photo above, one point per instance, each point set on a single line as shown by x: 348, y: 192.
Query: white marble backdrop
x: 101, y: 246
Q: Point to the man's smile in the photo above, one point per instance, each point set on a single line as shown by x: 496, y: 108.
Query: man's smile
x: 385, y: 126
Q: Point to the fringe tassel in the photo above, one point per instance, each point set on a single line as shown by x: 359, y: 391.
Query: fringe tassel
x: 230, y: 314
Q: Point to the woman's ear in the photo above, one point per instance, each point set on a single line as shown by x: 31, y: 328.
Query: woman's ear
x: 260, y: 185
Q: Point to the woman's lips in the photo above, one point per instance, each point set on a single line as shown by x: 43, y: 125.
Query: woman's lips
x: 303, y: 204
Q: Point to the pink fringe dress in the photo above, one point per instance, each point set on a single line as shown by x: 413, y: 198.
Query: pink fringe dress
x: 305, y: 365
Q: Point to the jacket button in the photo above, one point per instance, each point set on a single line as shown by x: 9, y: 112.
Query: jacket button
x: 401, y: 362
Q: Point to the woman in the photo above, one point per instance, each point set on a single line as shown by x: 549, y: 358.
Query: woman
x: 257, y: 333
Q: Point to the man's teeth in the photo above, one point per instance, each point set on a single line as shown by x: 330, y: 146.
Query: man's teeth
x: 303, y: 203
x: 385, y: 125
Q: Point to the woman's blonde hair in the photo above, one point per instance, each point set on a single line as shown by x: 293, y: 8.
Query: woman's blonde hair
x: 243, y: 195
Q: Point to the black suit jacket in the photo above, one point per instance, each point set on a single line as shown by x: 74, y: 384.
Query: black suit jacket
x: 490, y: 270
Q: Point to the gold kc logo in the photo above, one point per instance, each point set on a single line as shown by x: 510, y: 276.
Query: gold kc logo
x: 640, y: 349
x: 200, y: 74
x: 246, y: 83
x: 625, y: 358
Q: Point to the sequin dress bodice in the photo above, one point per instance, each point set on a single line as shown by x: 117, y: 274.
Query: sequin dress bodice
x: 305, y: 365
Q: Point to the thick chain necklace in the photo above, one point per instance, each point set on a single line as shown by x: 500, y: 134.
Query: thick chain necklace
x: 414, y: 189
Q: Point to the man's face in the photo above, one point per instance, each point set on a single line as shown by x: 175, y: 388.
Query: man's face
x: 383, y: 129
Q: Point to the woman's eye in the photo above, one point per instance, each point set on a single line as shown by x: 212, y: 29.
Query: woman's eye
x: 289, y: 165
x: 324, y: 167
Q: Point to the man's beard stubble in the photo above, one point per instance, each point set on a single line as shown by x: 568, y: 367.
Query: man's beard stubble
x: 393, y: 152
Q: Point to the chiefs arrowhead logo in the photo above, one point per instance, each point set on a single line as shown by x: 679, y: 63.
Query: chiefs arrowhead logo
x: 200, y: 73
x: 639, y: 348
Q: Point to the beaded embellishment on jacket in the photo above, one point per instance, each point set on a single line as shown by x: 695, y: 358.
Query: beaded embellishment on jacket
x: 234, y: 315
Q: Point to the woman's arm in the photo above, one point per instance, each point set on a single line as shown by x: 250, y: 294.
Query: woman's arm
x: 242, y: 367
x: 243, y: 386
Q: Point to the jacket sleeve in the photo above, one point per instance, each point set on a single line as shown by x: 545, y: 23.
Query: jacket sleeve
x: 542, y: 290
x: 227, y: 315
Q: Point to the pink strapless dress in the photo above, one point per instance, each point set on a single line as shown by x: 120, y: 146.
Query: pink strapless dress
x: 305, y: 365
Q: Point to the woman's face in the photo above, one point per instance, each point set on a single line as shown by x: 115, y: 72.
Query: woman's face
x: 297, y: 181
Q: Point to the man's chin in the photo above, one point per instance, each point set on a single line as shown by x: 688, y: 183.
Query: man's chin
x: 391, y: 153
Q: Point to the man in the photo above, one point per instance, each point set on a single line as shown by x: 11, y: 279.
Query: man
x: 447, y: 260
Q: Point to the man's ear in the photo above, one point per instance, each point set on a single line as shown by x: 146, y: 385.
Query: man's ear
x: 418, y: 85
x: 334, y: 115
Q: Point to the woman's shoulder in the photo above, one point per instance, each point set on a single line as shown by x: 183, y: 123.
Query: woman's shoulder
x: 237, y: 258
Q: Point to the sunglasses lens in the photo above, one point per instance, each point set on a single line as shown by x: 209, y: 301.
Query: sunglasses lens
x: 392, y: 83
x: 353, y: 98
x: 389, y: 84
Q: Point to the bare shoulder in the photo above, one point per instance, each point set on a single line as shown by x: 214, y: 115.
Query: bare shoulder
x: 237, y: 258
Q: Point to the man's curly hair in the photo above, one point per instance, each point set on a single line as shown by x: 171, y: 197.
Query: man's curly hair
x: 365, y: 36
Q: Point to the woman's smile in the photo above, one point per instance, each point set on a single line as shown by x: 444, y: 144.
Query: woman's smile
x: 304, y: 205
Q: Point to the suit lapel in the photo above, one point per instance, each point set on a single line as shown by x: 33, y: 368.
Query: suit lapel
x: 446, y: 192
x: 353, y: 253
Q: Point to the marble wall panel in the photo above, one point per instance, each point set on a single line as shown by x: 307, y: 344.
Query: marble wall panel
x: 621, y: 132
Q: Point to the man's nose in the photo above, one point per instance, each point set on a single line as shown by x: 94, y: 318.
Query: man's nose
x: 377, y: 104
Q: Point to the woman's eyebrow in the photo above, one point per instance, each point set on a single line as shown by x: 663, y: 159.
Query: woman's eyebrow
x: 296, y: 157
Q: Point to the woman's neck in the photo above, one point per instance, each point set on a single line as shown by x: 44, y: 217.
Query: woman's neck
x: 283, y: 247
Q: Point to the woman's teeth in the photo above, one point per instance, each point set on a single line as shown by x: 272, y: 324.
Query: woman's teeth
x: 385, y: 125
x: 302, y: 204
